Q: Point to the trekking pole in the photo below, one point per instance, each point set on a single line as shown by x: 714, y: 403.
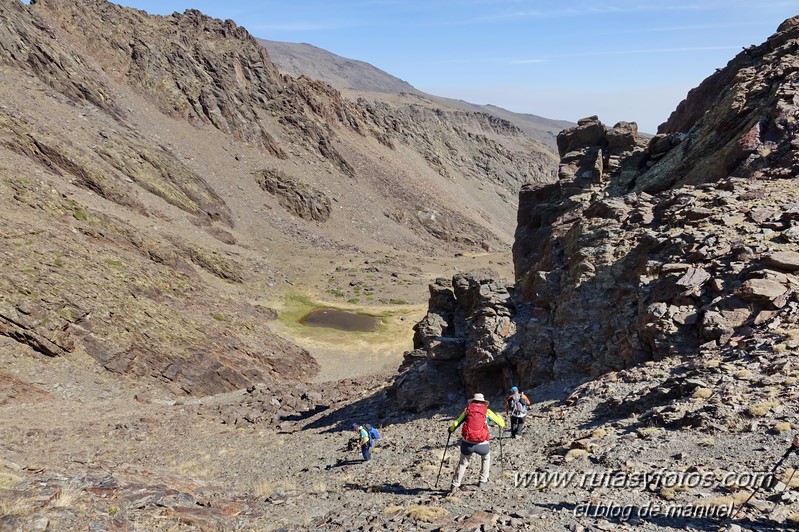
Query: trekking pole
x: 787, y: 486
x: 773, y: 469
x: 501, y: 456
x: 449, y: 435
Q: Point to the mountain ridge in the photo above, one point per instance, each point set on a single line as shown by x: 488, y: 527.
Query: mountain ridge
x: 301, y: 59
x: 182, y: 150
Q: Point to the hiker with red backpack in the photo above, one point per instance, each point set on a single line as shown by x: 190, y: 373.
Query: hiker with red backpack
x: 516, y: 405
x: 475, y: 438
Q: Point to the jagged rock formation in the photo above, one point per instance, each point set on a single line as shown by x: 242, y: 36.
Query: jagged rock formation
x: 641, y: 250
x: 299, y: 199
x: 456, y: 342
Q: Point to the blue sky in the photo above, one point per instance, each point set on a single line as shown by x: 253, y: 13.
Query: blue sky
x: 631, y: 60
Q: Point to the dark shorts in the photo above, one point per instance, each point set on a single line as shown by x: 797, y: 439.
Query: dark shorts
x: 468, y: 448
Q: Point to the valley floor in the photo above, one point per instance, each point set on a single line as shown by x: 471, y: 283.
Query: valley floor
x: 82, y: 449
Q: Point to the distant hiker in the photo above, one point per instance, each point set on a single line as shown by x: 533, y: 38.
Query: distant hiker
x: 363, y: 442
x: 475, y: 438
x: 516, y: 406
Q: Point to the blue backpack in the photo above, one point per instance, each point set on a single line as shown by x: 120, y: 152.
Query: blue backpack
x: 373, y: 434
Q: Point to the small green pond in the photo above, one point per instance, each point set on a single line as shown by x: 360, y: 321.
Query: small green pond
x: 340, y: 319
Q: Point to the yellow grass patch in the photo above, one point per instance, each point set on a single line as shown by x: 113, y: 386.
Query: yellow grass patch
x: 648, y: 431
x: 782, y: 426
x: 262, y: 489
x: 428, y: 514
x: 66, y: 496
x: 761, y: 409
x: 575, y: 454
x: 736, y: 499
x: 668, y: 493
x: 16, y: 506
x: 702, y: 393
x: 790, y: 474
x: 8, y: 479
x: 191, y: 468
x: 599, y: 433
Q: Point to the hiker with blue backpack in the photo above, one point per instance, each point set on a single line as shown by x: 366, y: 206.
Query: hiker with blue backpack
x: 516, y: 406
x: 475, y: 438
x: 366, y: 437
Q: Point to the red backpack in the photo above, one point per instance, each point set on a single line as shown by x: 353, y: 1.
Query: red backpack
x: 475, y: 428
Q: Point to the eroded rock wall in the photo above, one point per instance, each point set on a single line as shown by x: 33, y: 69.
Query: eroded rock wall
x: 646, y: 248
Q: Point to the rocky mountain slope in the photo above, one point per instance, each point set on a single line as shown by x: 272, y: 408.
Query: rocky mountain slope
x: 673, y: 259
x: 643, y: 249
x: 303, y: 59
x: 163, y: 186
x: 153, y: 224
x: 357, y: 79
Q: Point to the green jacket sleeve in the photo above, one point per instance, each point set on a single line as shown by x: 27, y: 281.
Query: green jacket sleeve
x: 457, y: 422
x: 496, y: 418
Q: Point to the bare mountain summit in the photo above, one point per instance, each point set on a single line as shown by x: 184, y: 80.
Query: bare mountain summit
x: 302, y: 59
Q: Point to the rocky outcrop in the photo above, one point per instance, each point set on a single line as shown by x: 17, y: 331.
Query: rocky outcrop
x: 476, y: 144
x: 299, y: 199
x: 459, y: 343
x: 22, y: 43
x: 30, y: 324
x: 646, y: 249
x: 738, y: 122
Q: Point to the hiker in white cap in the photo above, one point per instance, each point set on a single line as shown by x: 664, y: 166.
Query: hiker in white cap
x: 476, y: 438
